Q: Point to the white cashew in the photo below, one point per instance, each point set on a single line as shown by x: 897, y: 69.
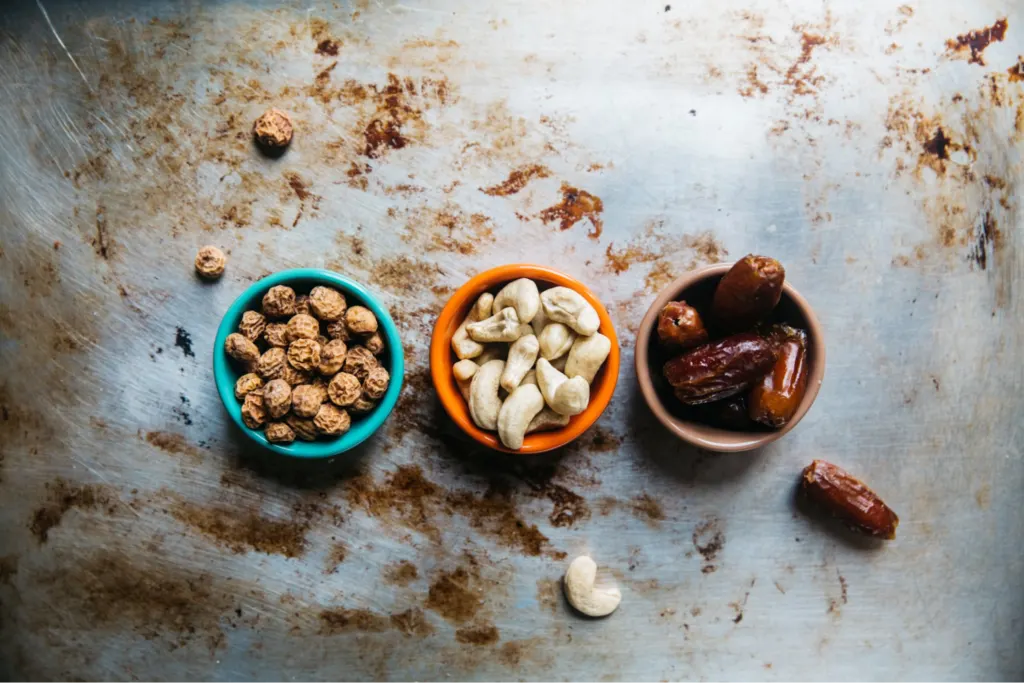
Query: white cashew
x: 521, y: 295
x: 546, y: 419
x: 555, y: 340
x: 464, y: 371
x: 585, y: 594
x: 540, y: 321
x: 500, y: 327
x: 484, y: 404
x: 463, y: 346
x: 517, y: 411
x: 563, y: 305
x: 587, y: 355
x: 521, y: 357
x: 565, y: 396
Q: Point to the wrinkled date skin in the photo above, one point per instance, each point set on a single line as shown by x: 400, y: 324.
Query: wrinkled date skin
x: 720, y: 369
x: 849, y: 499
x: 774, y: 400
x: 680, y: 326
x: 747, y: 293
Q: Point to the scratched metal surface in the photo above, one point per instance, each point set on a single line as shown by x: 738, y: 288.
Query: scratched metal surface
x: 143, y: 538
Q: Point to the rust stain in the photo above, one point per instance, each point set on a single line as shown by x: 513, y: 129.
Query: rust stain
x: 549, y: 594
x: 241, y: 530
x: 987, y: 240
x: 171, y: 442
x: 517, y: 180
x: 400, y: 573
x: 648, y: 509
x: 971, y: 45
x: 405, y: 497
x: 447, y: 229
x: 569, y: 507
x: 515, y: 653
x: 457, y: 594
x: 668, y: 255
x: 480, y: 634
x: 495, y: 513
x: 576, y: 205
x: 337, y: 555
x: 335, y: 621
x: 1015, y: 73
x: 412, y: 622
x: 63, y: 496
x: 404, y: 275
x: 328, y: 47
x: 709, y: 540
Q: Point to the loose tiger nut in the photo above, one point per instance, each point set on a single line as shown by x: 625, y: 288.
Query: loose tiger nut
x: 374, y: 344
x: 246, y: 383
x: 276, y: 334
x: 210, y: 262
x: 327, y: 304
x: 376, y: 383
x: 332, y: 420
x: 306, y: 399
x: 241, y: 349
x: 304, y: 354
x: 304, y: 429
x: 253, y: 412
x: 279, y: 302
x: 273, y: 130
x: 277, y: 398
x: 358, y: 362
x: 279, y: 432
x: 271, y: 363
x: 252, y: 326
x: 332, y: 357
x: 344, y: 389
x: 303, y: 326
x: 360, y: 320
x: 336, y: 330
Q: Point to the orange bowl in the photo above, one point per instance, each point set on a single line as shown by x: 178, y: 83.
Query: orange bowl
x: 442, y: 357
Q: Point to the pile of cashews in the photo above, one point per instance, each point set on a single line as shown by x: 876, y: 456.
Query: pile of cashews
x: 527, y: 359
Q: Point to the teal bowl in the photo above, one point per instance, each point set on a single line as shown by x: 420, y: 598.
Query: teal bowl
x: 302, y: 280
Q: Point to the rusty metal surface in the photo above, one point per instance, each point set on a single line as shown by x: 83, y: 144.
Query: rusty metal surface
x: 864, y: 144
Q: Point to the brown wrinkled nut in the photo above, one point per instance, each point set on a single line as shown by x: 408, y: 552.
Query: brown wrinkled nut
x: 279, y: 432
x: 358, y: 362
x: 747, y: 293
x: 322, y: 341
x: 774, y: 399
x: 304, y: 354
x: 360, y: 320
x: 304, y: 428
x: 276, y: 334
x: 376, y: 383
x: 327, y: 304
x: 294, y: 377
x: 332, y: 420
x: 306, y: 399
x: 374, y: 344
x: 246, y: 383
x: 273, y: 129
x: 720, y: 369
x: 344, y: 389
x: 279, y: 302
x: 332, y: 357
x: 277, y: 398
x: 336, y: 330
x: 241, y: 349
x: 253, y: 325
x: 253, y: 412
x: 362, y: 405
x: 210, y: 262
x: 271, y: 363
x: 303, y: 326
x: 679, y: 325
x: 849, y: 499
x: 302, y: 305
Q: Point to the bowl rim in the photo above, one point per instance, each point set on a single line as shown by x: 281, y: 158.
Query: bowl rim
x: 750, y: 441
x: 441, y: 359
x: 363, y: 428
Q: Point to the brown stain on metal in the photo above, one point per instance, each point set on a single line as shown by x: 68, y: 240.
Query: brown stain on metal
x: 494, y: 513
x: 971, y: 45
x: 569, y: 507
x: 405, y: 497
x: 517, y: 180
x: 576, y: 205
x: 549, y: 594
x: 1015, y: 74
x: 447, y: 228
x: 648, y: 509
x: 400, y: 573
x: 241, y: 530
x: 457, y: 594
x: 709, y: 540
x: 987, y: 240
x: 63, y: 496
x: 336, y: 555
x: 983, y: 496
x: 478, y: 634
x: 516, y: 653
x: 338, y: 620
x: 668, y: 255
x: 328, y: 47
x: 404, y: 275
x: 173, y: 443
x: 411, y: 622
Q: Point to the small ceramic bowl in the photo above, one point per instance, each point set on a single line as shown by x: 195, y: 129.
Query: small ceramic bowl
x: 442, y: 357
x: 302, y: 280
x: 697, y: 288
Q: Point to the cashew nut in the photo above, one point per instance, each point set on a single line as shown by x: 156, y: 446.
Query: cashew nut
x: 546, y: 419
x: 587, y: 355
x: 540, y: 321
x: 521, y: 357
x: 484, y: 404
x: 555, y: 340
x: 563, y: 305
x: 584, y: 592
x: 503, y: 326
x: 464, y: 371
x: 565, y: 396
x: 463, y: 346
x: 517, y: 411
x: 521, y: 295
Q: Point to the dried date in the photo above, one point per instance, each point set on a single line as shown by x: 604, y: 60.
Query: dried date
x: 774, y: 400
x: 679, y: 325
x: 747, y: 293
x: 720, y: 369
x: 849, y: 499
x: 731, y: 413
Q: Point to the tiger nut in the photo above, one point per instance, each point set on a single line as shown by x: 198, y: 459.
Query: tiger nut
x: 358, y: 362
x: 332, y: 357
x: 271, y: 363
x: 336, y: 330
x: 253, y: 412
x: 360, y: 320
x: 344, y: 389
x: 304, y: 428
x: 332, y: 420
x: 252, y: 326
x: 277, y: 398
x: 294, y: 377
x: 304, y: 354
x: 210, y: 262
x: 273, y: 130
x: 374, y: 344
x: 241, y: 349
x: 279, y: 302
x: 276, y: 334
x: 306, y: 399
x: 376, y: 383
x: 327, y: 304
x: 303, y: 326
x: 302, y: 304
x: 279, y: 432
x: 362, y: 405
x: 246, y: 383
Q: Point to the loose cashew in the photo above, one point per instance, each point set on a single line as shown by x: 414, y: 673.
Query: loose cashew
x: 587, y: 355
x: 517, y: 411
x: 463, y: 346
x: 585, y: 594
x: 555, y: 340
x: 484, y: 404
x: 503, y: 326
x: 565, y: 396
x: 464, y: 371
x: 521, y: 357
x: 521, y: 295
x: 546, y: 419
x: 563, y: 305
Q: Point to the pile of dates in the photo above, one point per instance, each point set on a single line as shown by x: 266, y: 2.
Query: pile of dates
x: 740, y: 371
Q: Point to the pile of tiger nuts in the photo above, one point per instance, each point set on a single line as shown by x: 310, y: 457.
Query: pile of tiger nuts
x: 310, y: 362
